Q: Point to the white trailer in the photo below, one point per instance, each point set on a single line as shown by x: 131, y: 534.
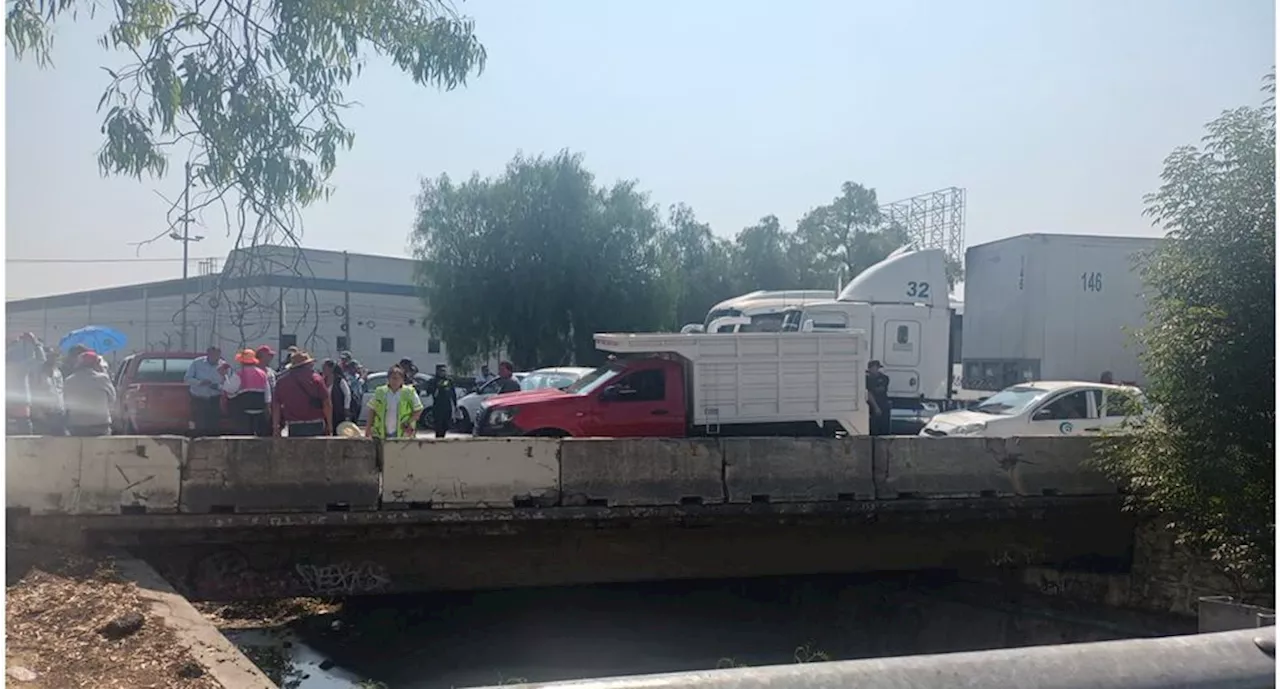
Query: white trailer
x: 1053, y: 307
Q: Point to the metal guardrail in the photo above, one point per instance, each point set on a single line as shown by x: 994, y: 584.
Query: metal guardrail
x: 1242, y: 659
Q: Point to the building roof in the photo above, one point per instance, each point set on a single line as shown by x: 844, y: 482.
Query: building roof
x: 197, y: 285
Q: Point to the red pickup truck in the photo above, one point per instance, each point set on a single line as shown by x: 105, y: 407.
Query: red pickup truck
x: 151, y: 397
x: 679, y: 385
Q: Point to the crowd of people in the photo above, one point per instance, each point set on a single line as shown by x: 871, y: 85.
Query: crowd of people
x: 298, y: 400
x: 73, y: 394
x: 51, y: 395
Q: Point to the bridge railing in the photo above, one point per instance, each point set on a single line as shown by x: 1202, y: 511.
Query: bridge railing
x: 138, y: 474
x: 1226, y: 660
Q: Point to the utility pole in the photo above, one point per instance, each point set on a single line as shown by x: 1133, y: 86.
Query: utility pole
x: 346, y: 298
x: 186, y: 240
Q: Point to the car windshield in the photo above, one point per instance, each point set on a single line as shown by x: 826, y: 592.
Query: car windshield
x: 162, y: 370
x: 594, y: 380
x: 548, y: 379
x: 1011, y: 401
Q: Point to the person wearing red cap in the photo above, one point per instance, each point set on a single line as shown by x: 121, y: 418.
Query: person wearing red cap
x: 89, y: 397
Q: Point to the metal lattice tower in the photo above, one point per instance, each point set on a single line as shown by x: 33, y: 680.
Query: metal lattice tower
x: 932, y: 221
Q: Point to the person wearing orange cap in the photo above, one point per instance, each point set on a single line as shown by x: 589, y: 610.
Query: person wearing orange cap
x: 248, y: 391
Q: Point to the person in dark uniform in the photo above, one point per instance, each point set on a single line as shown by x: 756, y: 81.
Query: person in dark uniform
x: 444, y: 398
x: 878, y: 399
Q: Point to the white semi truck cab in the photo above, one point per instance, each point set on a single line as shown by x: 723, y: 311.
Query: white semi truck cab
x: 903, y: 304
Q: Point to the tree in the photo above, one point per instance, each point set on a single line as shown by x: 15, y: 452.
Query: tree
x: 536, y: 261
x: 847, y: 235
x: 762, y: 257
x: 252, y: 89
x: 1206, y: 459
x: 698, y: 267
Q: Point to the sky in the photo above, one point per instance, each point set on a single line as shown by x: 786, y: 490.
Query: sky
x: 1054, y: 115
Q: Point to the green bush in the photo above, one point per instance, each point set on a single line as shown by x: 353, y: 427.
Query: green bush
x: 1206, y: 461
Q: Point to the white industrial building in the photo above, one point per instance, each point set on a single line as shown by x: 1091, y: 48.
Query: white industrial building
x: 322, y: 301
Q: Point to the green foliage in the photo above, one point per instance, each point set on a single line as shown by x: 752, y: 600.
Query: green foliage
x: 253, y: 89
x: 537, y: 260
x: 848, y: 234
x: 1207, y: 459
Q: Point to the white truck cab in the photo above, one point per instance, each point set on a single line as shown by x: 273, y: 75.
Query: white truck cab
x: 903, y: 303
x: 762, y: 310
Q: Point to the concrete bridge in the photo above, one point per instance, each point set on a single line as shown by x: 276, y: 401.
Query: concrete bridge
x: 227, y: 518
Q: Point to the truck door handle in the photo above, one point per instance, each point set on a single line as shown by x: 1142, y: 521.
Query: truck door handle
x: 659, y: 412
x: 1091, y: 430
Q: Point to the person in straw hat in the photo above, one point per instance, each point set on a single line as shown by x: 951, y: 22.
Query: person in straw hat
x: 248, y: 391
x: 301, y: 401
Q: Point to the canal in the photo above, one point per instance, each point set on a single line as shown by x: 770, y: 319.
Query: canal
x: 501, y: 637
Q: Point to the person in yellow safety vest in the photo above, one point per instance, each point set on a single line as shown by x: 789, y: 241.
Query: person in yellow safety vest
x: 395, y: 395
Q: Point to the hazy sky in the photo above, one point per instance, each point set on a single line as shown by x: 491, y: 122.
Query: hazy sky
x: 1053, y: 114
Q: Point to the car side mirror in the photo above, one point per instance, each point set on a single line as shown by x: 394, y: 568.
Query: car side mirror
x: 610, y: 393
x: 1040, y: 415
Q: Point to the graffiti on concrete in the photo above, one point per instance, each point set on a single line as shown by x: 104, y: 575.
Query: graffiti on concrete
x: 343, y: 578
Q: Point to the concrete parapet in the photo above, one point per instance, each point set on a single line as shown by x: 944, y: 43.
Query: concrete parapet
x: 97, y: 475
x: 641, y: 471
x: 959, y: 467
x: 280, y: 475
x: 798, y: 469
x: 477, y: 472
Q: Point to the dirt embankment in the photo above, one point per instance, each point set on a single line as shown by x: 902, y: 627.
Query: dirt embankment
x: 71, y: 621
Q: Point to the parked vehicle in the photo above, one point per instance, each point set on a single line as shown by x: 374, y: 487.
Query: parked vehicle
x: 469, y: 404
x: 1053, y: 307
x: 677, y: 385
x: 151, y: 397
x: 1046, y: 408
x: 759, y: 311
x: 1039, y: 306
x: 557, y: 377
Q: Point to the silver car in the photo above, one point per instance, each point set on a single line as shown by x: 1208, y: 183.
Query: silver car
x: 470, y: 404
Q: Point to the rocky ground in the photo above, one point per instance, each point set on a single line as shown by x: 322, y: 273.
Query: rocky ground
x: 71, y: 621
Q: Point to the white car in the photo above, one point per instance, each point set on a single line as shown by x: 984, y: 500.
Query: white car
x: 470, y: 403
x: 1047, y: 408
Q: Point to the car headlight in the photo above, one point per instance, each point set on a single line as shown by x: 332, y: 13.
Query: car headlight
x: 969, y: 429
x: 502, y: 417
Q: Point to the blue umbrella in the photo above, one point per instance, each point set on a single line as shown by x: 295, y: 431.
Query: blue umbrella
x: 100, y: 339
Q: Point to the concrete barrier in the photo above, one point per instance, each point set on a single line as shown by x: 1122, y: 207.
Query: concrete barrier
x: 641, y: 471
x: 475, y: 472
x: 225, y: 475
x: 42, y: 475
x: 961, y: 467
x: 100, y: 475
x: 797, y: 469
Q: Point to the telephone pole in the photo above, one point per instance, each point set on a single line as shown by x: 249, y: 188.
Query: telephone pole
x: 186, y: 240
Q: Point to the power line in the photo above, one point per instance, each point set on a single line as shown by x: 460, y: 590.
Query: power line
x: 103, y: 260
